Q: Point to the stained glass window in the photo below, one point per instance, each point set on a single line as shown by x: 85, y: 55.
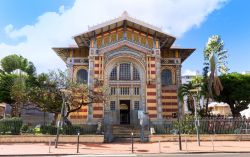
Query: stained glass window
x: 113, y: 75
x: 166, y: 77
x: 124, y: 71
x: 82, y: 76
x: 136, y: 75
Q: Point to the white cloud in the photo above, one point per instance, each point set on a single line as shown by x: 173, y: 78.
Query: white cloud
x: 54, y: 29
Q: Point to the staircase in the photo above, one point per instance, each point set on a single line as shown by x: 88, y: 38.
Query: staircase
x: 122, y: 133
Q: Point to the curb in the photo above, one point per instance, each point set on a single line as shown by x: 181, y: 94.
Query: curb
x: 144, y: 154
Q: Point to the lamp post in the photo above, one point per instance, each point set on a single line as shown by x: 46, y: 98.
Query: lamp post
x: 197, y: 123
x: 62, y: 115
x: 175, y: 115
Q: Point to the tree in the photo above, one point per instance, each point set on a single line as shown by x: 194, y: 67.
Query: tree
x: 13, y: 62
x: 16, y: 73
x: 6, y: 83
x: 215, y: 58
x: 186, y: 124
x: 204, y: 88
x: 42, y: 94
x: 236, y: 92
x: 18, y: 95
x: 72, y: 94
x: 185, y: 90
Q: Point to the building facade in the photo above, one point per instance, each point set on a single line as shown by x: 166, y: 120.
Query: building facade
x: 139, y: 64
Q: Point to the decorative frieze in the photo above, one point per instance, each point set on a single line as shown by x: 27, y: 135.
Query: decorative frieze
x: 78, y: 61
x: 170, y: 61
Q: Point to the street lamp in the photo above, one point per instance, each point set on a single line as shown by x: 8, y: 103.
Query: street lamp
x: 197, y: 123
x: 174, y: 115
x: 64, y: 95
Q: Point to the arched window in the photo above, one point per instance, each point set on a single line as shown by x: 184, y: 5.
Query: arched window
x: 136, y: 75
x: 82, y: 76
x: 166, y: 77
x: 125, y: 71
x: 113, y: 74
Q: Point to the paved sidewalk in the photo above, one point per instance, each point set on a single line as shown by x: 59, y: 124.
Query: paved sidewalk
x: 124, y: 148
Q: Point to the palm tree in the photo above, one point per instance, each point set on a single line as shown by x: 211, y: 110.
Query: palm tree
x: 186, y: 90
x: 215, y: 58
x: 192, y: 90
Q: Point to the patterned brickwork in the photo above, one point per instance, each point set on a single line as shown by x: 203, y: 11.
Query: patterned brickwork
x: 80, y: 115
x: 169, y: 101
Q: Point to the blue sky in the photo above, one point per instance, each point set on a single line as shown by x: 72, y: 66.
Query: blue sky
x: 232, y: 22
x: 32, y: 27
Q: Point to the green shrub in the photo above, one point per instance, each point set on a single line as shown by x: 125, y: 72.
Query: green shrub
x: 11, y: 126
x: 37, y: 129
x: 25, y: 128
x: 44, y: 129
x: 83, y: 129
x: 71, y: 129
x: 51, y: 130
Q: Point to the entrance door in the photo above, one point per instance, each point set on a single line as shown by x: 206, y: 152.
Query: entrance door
x: 124, y: 111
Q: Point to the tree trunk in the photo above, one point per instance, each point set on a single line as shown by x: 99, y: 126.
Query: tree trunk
x: 55, y: 118
x: 207, y: 106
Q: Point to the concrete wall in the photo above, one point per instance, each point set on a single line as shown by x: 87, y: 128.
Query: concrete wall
x: 217, y: 137
x: 47, y: 138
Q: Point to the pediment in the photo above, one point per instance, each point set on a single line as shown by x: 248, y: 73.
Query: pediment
x: 125, y: 45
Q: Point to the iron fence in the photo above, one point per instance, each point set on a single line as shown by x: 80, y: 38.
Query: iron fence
x: 206, y: 126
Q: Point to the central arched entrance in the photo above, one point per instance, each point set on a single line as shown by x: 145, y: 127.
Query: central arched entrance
x: 126, y: 81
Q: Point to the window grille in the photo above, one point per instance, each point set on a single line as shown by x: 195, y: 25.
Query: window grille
x: 82, y: 76
x: 124, y: 90
x: 136, y: 105
x: 112, y: 105
x: 136, y: 91
x: 113, y: 75
x: 166, y: 77
x: 112, y: 91
x: 125, y: 71
x: 136, y: 75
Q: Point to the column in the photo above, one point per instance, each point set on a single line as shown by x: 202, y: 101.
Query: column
x: 158, y: 83
x: 178, y: 83
x: 91, y: 81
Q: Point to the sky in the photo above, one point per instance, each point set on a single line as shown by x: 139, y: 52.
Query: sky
x: 32, y: 27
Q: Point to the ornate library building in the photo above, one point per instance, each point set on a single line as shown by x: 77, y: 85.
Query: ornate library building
x: 136, y: 61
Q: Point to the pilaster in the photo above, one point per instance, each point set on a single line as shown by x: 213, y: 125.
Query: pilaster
x: 92, y: 52
x: 157, y: 54
x: 178, y: 83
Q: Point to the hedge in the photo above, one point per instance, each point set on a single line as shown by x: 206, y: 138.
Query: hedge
x: 10, y: 126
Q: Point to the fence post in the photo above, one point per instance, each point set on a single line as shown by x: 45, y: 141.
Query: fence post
x: 132, y: 142
x: 159, y: 142
x: 49, y: 144
x: 212, y: 140
x: 186, y: 142
x: 78, y: 138
x: 246, y: 127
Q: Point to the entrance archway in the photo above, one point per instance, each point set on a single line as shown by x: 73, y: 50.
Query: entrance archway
x: 125, y: 76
